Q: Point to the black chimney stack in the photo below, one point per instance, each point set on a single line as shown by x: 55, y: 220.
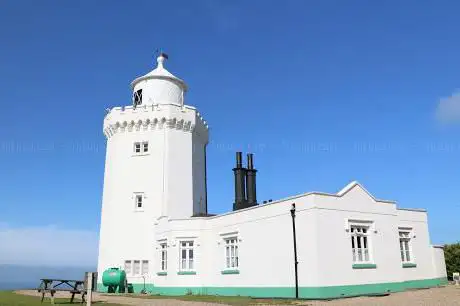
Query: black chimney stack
x: 251, y: 182
x: 240, y: 188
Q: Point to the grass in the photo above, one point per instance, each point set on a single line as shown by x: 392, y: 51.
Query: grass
x: 9, y: 298
x: 229, y: 300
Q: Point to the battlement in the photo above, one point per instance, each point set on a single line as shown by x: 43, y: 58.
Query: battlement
x: 154, y: 117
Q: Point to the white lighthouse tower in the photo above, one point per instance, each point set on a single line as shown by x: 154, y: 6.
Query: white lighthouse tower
x: 155, y: 167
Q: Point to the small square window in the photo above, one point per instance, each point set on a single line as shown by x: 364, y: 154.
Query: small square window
x: 139, y: 199
x: 145, y: 146
x: 137, y: 147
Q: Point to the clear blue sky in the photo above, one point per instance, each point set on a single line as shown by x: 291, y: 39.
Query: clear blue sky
x: 323, y: 92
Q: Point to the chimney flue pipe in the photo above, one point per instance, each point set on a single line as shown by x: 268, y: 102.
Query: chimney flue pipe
x: 251, y: 182
x: 240, y: 188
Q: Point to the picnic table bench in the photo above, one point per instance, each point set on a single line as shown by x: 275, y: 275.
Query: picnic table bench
x: 51, y: 286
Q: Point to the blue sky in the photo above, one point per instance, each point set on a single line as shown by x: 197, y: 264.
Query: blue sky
x: 323, y: 92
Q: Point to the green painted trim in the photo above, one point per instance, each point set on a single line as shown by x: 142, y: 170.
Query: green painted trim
x: 162, y: 273
x: 186, y: 273
x: 304, y: 292
x: 409, y: 265
x: 289, y: 292
x: 230, y: 272
x: 364, y: 266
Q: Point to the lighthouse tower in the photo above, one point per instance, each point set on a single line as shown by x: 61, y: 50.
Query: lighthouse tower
x: 155, y: 167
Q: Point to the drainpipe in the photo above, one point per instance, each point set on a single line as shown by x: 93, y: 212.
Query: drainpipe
x: 295, y: 251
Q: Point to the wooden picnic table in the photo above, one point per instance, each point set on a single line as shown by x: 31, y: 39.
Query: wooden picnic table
x: 51, y: 286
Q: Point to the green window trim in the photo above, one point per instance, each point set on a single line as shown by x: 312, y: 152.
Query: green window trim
x: 162, y: 273
x: 186, y: 273
x: 364, y: 266
x: 235, y: 271
x: 409, y: 265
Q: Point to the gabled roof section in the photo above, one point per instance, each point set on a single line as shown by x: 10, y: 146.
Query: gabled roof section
x: 356, y: 184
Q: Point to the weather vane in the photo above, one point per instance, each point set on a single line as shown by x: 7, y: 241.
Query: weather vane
x: 159, y: 52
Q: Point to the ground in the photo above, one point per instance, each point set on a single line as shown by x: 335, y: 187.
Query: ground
x: 443, y: 296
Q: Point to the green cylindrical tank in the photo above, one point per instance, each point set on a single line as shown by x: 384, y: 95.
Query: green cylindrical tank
x: 113, y: 278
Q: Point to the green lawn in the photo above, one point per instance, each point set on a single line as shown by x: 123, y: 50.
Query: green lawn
x: 229, y: 300
x: 9, y: 298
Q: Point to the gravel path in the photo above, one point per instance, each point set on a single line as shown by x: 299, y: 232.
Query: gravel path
x: 123, y: 300
x: 445, y: 296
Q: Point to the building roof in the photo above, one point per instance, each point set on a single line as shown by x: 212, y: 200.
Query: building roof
x: 341, y: 193
x: 160, y: 73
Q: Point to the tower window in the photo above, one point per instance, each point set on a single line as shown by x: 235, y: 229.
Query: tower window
x: 137, y: 98
x: 141, y: 147
x: 139, y: 201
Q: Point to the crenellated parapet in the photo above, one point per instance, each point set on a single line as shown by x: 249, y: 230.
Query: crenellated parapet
x: 154, y: 117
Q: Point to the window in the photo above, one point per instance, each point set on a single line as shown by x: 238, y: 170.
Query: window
x: 141, y: 147
x: 231, y: 253
x: 404, y: 245
x: 128, y: 266
x: 164, y: 257
x: 137, y: 97
x: 145, y: 267
x: 186, y: 256
x: 136, y: 267
x: 139, y: 200
x: 360, y: 243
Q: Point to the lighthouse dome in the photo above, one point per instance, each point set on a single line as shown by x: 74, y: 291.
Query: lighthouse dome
x: 159, y: 86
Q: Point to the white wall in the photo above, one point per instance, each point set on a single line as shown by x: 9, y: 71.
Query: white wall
x: 164, y: 175
x: 265, y: 247
x: 439, y: 262
x: 323, y: 241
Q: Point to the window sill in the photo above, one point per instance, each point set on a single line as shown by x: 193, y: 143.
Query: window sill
x: 162, y: 273
x: 186, y: 273
x: 235, y: 271
x: 409, y: 265
x: 364, y: 266
x: 140, y: 154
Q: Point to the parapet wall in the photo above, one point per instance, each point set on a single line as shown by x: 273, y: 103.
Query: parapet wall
x: 154, y: 117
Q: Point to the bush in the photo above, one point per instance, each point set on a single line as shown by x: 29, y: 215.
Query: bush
x: 452, y: 255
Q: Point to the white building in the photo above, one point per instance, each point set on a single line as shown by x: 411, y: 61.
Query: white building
x: 155, y: 225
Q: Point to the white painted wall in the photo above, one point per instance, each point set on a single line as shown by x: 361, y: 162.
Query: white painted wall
x: 323, y: 241
x: 439, y: 262
x: 165, y: 175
